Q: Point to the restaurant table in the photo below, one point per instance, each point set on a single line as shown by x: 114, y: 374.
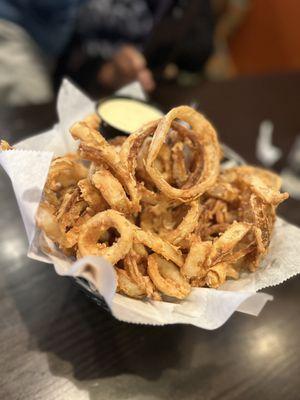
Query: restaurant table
x: 57, y: 344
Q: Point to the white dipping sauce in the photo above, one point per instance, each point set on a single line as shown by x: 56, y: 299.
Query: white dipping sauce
x: 127, y: 114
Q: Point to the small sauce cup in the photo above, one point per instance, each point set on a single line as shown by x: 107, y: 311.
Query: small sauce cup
x: 122, y: 115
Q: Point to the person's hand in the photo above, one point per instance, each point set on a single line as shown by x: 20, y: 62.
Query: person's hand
x: 128, y: 64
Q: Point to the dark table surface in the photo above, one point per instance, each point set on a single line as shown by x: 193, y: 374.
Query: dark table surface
x: 56, y: 344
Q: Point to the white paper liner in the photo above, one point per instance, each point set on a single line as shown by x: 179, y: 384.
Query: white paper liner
x: 204, y: 307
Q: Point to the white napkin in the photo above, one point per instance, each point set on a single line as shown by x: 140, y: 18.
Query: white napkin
x: 204, y: 307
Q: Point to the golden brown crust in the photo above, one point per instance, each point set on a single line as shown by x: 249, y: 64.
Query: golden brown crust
x: 156, y: 205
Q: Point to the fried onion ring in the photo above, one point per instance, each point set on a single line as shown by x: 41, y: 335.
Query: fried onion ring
x: 111, y: 190
x: 95, y: 148
x: 217, y: 274
x: 186, y: 226
x: 158, y: 245
x: 210, y: 154
x: 156, y: 205
x: 4, y: 145
x: 128, y: 286
x: 167, y: 277
x: 140, y: 279
x: 92, y: 196
x: 92, y: 230
x: 194, y: 265
x: 227, y: 241
x: 47, y: 222
x: 179, y: 171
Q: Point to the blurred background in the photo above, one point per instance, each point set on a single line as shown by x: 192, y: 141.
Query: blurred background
x: 236, y: 61
x: 104, y: 44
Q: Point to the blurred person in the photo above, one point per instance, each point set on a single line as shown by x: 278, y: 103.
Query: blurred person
x: 115, y: 36
x: 114, y: 42
x: 119, y: 41
x: 33, y: 33
x: 162, y: 39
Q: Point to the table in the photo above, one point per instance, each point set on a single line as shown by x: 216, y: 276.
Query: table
x: 56, y: 344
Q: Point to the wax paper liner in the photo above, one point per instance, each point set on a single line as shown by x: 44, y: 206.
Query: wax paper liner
x: 207, y: 308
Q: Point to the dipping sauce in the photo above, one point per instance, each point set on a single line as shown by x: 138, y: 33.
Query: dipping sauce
x: 126, y: 114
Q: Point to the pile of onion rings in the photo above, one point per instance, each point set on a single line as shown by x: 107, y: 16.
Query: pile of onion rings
x: 159, y: 207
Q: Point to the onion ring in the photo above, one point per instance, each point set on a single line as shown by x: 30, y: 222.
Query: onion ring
x: 167, y: 278
x: 64, y: 173
x: 158, y: 245
x: 186, y: 226
x: 117, y: 142
x: 127, y: 285
x: 210, y: 154
x: 93, y: 120
x: 143, y: 281
x: 156, y: 206
x: 129, y: 154
x: 47, y: 222
x: 273, y: 181
x: 91, y: 232
x: 111, y: 189
x: 217, y: 274
x: 4, y: 145
x: 95, y: 148
x: 227, y: 241
x: 179, y: 171
x: 263, y: 191
x: 92, y: 196
x: 194, y: 265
